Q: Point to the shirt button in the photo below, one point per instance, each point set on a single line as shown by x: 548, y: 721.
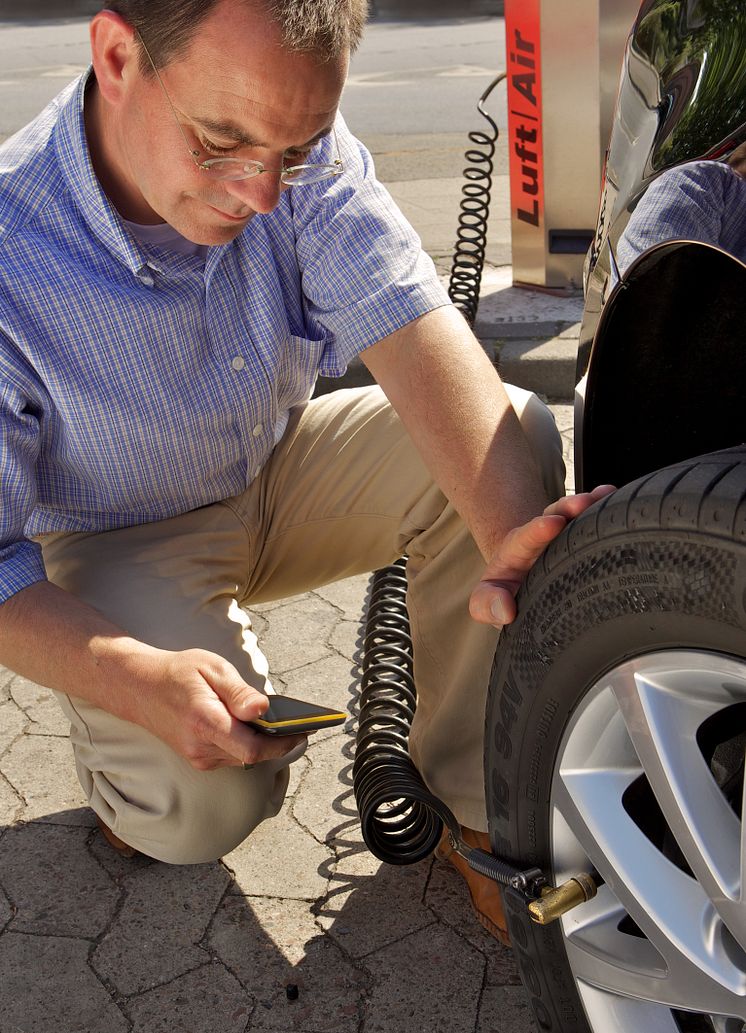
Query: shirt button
x: 147, y: 280
x: 239, y: 362
x: 258, y: 430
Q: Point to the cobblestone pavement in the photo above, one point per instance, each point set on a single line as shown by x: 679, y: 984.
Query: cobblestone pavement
x: 92, y: 943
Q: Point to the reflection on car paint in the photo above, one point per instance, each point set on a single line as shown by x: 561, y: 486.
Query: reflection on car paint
x: 682, y: 100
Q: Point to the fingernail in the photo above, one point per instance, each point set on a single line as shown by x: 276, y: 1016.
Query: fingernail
x: 497, y: 610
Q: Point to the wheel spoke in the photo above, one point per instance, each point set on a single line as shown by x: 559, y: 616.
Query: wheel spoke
x: 614, y: 1014
x: 667, y: 905
x: 640, y: 724
x: 664, y: 704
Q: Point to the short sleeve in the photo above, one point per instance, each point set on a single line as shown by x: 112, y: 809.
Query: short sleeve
x: 364, y: 273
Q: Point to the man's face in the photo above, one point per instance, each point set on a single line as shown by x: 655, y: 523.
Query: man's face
x: 236, y: 93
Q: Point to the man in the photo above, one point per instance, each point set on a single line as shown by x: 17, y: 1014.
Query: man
x: 188, y: 235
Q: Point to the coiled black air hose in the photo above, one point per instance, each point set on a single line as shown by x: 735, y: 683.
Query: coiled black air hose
x: 471, y: 235
x: 402, y: 821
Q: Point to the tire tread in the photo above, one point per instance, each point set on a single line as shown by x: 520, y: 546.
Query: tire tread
x: 706, y: 494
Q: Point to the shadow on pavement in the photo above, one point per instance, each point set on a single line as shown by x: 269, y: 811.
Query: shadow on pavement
x: 299, y: 930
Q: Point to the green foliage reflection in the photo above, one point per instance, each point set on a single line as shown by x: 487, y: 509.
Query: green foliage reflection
x: 698, y: 48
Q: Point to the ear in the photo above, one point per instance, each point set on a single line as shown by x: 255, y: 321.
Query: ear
x: 115, y: 54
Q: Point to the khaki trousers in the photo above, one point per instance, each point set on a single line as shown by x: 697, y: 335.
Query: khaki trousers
x: 343, y: 493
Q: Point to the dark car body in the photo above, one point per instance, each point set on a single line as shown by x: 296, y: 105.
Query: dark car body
x: 662, y: 335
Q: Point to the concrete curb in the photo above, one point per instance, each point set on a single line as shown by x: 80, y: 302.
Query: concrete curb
x: 546, y: 367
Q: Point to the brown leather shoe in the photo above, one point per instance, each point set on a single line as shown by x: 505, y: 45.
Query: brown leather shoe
x: 486, y: 896
x: 122, y: 848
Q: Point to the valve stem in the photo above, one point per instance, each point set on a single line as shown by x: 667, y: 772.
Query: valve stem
x: 556, y: 901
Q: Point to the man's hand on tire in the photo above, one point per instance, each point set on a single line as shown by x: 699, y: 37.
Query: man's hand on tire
x: 493, y: 600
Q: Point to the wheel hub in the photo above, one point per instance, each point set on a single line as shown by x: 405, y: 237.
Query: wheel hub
x: 648, y: 792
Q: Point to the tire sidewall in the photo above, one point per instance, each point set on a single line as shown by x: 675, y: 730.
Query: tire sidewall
x: 584, y: 618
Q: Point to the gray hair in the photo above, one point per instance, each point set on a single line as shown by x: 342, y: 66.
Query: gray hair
x: 324, y: 28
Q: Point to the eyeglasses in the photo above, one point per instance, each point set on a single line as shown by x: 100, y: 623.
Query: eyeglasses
x: 246, y: 168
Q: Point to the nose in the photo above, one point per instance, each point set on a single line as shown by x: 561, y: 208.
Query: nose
x: 261, y: 193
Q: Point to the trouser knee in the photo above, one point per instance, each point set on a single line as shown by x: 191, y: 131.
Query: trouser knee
x: 543, y: 438
x: 196, y: 819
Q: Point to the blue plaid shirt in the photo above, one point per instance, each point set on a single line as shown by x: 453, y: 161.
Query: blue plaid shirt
x: 138, y: 383
x: 700, y: 200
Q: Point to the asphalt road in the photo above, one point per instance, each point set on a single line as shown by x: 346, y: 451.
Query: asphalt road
x: 411, y: 95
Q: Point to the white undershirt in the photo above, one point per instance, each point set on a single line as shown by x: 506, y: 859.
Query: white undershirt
x: 163, y: 235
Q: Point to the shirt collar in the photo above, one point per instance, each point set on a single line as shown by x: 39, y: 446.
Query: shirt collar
x: 74, y: 157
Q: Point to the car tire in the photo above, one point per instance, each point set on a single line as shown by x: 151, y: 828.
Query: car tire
x: 651, y: 578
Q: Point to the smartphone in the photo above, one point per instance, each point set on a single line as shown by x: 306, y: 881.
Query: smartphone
x: 288, y: 716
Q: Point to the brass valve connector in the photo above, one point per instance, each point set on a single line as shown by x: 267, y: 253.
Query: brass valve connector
x: 556, y: 901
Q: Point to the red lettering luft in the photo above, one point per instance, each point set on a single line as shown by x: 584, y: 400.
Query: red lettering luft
x: 524, y: 110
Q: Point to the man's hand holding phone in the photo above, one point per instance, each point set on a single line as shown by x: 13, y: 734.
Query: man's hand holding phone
x: 198, y: 703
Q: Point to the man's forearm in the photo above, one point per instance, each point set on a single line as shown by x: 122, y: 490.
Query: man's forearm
x: 454, y: 406
x: 194, y: 700
x: 55, y: 640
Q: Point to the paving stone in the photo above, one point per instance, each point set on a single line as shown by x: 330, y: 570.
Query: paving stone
x: 6, y: 910
x: 563, y: 416
x: 275, y: 604
x: 328, y: 682
x: 295, y: 1029
x: 6, y: 677
x: 325, y: 798
x: 569, y: 457
x: 12, y: 723
x: 347, y: 639
x: 40, y: 707
x: 278, y: 684
x: 297, y: 633
x: 448, y: 898
x: 280, y: 859
x: 349, y: 595
x: 372, y: 904
x: 49, y: 988
x: 202, y: 1001
x: 298, y: 771
x: 42, y: 770
x: 501, y: 303
x: 505, y: 1008
x: 259, y: 624
x: 111, y: 860
x: 11, y: 805
x: 164, y: 916
x: 57, y: 887
x: 270, y: 944
x: 428, y: 981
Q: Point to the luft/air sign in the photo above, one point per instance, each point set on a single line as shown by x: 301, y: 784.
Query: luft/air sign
x: 524, y: 111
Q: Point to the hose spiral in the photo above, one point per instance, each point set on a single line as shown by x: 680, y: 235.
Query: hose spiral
x: 401, y: 820
x: 471, y: 235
